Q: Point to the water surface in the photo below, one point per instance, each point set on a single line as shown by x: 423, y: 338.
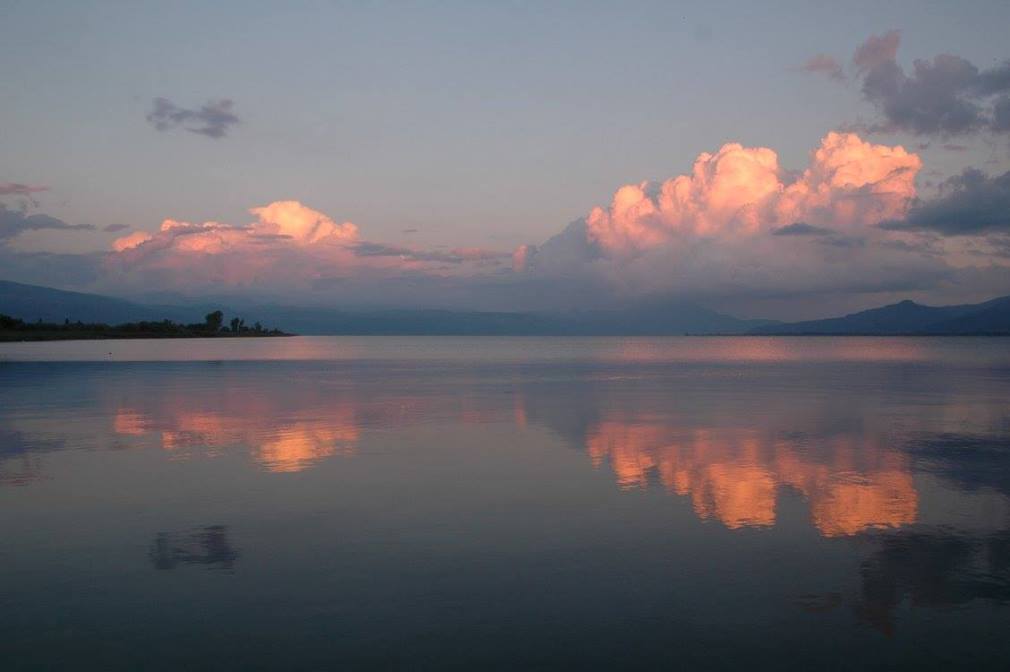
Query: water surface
x: 505, y: 503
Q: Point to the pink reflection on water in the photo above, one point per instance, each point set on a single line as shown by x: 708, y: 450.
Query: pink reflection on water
x: 734, y: 475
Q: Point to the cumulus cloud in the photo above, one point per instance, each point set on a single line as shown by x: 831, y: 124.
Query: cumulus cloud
x: 288, y: 245
x: 971, y: 203
x: 130, y: 241
x: 213, y: 119
x: 16, y: 222
x: 740, y: 225
x: 945, y: 96
x: 742, y: 191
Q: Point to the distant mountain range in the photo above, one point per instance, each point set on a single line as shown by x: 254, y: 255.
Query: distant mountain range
x: 31, y: 303
x: 906, y: 318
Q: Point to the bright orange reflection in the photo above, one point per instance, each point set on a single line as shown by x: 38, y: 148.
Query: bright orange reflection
x: 733, y: 475
x: 302, y: 445
x: 276, y: 445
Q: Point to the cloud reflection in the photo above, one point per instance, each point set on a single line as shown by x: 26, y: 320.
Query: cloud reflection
x: 276, y: 445
x: 734, y: 475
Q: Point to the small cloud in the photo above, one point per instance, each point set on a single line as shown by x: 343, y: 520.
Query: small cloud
x: 15, y: 222
x: 822, y: 64
x: 951, y: 147
x: 410, y: 231
x: 213, y: 119
x: 800, y: 229
x: 18, y: 189
x: 113, y: 228
x: 877, y: 50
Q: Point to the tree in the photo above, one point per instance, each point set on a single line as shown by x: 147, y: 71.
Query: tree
x: 236, y: 325
x: 214, y: 321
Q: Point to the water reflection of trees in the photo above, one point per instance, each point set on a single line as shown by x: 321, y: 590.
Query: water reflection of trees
x: 208, y: 546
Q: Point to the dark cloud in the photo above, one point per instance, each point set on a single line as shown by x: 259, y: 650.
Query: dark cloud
x: 971, y: 203
x: 1001, y: 115
x: 951, y: 147
x: 213, y: 119
x: 113, y: 228
x: 822, y: 64
x: 15, y: 222
x: 945, y: 96
x: 17, y: 189
x: 800, y: 229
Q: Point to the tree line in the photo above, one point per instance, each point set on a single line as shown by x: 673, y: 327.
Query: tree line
x: 16, y: 329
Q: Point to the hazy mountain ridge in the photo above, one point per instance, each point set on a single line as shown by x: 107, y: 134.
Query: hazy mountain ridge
x: 33, y: 302
x: 906, y: 318
x: 646, y: 318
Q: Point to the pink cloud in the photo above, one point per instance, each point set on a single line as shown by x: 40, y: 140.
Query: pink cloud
x: 288, y: 246
x: 130, y: 241
x: 742, y: 191
x: 17, y: 189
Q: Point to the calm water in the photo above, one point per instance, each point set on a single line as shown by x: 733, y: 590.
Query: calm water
x: 513, y: 503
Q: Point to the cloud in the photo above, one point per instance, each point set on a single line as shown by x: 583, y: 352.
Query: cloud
x: 15, y: 222
x: 130, y: 241
x: 739, y: 225
x: 945, y: 96
x: 801, y: 229
x: 302, y: 225
x: 971, y: 203
x: 289, y: 246
x: 454, y: 256
x: 115, y: 228
x: 877, y: 50
x: 213, y: 119
x: 1001, y: 115
x: 822, y: 64
x: 17, y: 189
x: 741, y: 191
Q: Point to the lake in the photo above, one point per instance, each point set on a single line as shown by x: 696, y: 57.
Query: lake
x: 480, y: 503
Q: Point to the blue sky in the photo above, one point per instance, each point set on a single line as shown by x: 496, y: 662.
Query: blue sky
x: 473, y: 124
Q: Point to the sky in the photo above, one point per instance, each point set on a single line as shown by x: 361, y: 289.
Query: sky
x: 777, y: 159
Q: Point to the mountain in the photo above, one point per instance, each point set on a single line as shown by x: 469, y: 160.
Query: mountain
x: 32, y: 303
x: 655, y: 317
x: 907, y: 318
x: 647, y: 318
